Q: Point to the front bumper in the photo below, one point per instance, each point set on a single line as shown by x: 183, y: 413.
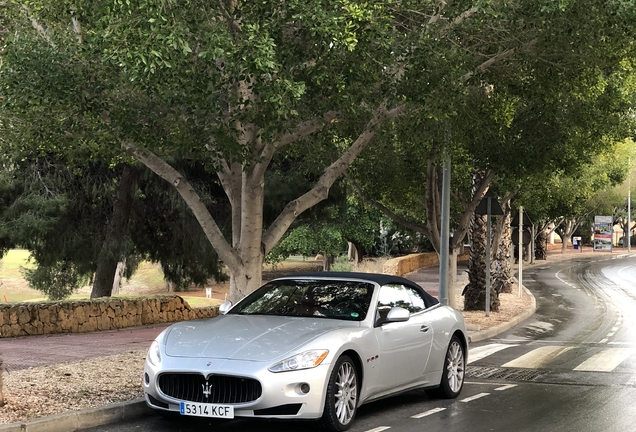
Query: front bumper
x: 294, y: 394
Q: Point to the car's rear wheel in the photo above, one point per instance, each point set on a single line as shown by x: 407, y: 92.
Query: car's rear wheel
x: 341, y: 401
x: 454, y: 371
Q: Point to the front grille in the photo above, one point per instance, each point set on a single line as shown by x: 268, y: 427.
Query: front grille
x: 222, y: 389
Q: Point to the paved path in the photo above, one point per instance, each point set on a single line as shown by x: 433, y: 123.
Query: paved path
x: 30, y: 351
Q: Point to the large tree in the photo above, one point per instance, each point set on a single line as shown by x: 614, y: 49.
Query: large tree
x: 232, y: 83
x: 70, y: 220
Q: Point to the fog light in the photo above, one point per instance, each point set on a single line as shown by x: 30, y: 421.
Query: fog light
x: 304, y: 388
x: 146, y: 378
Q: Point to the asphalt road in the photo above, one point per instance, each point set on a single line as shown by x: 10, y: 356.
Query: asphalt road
x: 570, y: 368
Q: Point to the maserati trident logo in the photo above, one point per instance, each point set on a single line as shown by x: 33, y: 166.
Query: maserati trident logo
x: 207, y: 389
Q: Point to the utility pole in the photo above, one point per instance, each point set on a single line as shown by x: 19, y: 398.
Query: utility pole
x: 520, y: 250
x: 444, y: 253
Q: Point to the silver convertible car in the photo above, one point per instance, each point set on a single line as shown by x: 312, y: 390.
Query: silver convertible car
x: 310, y: 346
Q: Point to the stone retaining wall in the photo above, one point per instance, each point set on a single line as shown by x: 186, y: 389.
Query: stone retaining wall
x: 82, y: 316
x: 406, y: 264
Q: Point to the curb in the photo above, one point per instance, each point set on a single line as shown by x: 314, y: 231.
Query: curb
x: 82, y: 419
x: 494, y: 331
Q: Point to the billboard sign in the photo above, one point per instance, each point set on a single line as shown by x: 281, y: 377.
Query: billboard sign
x: 603, y: 231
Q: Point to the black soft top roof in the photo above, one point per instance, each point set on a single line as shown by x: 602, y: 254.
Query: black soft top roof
x: 379, y: 278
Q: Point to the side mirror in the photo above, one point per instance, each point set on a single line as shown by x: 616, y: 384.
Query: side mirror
x: 225, y: 307
x: 398, y: 314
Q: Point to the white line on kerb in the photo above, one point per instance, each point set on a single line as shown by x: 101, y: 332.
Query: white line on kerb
x: 477, y: 396
x: 428, y: 413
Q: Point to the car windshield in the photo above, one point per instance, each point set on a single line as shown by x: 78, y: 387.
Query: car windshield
x: 346, y: 300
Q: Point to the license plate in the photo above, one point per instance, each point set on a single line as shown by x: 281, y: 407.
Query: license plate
x: 207, y: 410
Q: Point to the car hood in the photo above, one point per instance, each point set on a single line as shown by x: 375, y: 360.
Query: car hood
x: 243, y: 337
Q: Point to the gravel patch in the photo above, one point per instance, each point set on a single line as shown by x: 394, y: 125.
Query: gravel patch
x: 42, y: 391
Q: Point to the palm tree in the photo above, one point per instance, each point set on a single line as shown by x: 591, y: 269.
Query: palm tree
x: 475, y: 292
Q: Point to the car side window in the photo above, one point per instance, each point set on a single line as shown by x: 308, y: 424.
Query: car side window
x: 406, y: 297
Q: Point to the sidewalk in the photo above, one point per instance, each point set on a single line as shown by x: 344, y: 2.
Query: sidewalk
x: 25, y: 352
x: 33, y: 351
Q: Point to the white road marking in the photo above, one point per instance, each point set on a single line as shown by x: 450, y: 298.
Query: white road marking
x: 477, y: 396
x: 479, y: 353
x: 428, y: 413
x: 506, y: 387
x: 379, y: 429
x: 605, y: 361
x: 537, y: 357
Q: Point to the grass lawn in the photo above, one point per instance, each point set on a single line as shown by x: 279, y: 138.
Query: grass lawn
x: 148, y: 279
x: 12, y: 262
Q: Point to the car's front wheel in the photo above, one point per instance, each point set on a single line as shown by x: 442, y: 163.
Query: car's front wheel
x: 454, y: 371
x: 342, y: 396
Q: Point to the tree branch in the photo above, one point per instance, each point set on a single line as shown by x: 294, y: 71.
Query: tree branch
x: 464, y: 223
x: 232, y: 24
x: 497, y: 58
x: 306, y: 128
x: 77, y: 29
x: 321, y: 190
x: 396, y: 218
x: 192, y: 199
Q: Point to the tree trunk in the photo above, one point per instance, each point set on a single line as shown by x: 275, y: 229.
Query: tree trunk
x: 452, y: 278
x: 327, y: 261
x: 355, y: 252
x: 121, y: 266
x: 541, y: 246
x: 502, y: 269
x: 1, y: 383
x: 475, y: 291
x: 111, y: 253
x: 245, y: 280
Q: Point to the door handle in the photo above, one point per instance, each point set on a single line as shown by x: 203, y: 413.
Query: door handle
x: 424, y: 328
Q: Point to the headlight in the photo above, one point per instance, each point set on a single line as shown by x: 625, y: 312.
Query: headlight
x: 304, y: 360
x: 154, y: 354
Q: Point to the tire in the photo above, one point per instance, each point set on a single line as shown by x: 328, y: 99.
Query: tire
x: 341, y: 402
x: 454, y: 372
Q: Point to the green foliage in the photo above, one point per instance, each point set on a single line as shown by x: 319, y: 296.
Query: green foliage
x: 342, y: 264
x: 585, y: 191
x: 306, y: 240
x: 58, y: 281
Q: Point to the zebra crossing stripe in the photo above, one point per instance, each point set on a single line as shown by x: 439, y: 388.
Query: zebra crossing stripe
x: 537, y: 357
x: 605, y: 361
x: 479, y: 353
x: 506, y: 387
